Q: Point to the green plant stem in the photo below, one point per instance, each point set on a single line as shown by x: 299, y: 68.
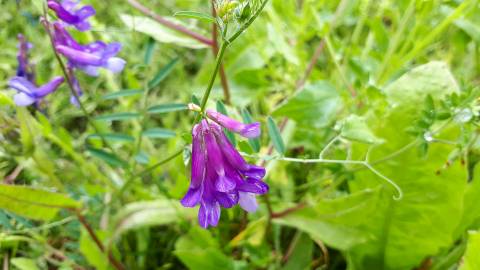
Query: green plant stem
x: 165, y: 160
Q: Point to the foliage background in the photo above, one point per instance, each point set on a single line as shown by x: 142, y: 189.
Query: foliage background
x: 395, y: 80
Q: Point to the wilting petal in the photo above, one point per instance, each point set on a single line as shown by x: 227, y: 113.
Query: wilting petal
x: 115, y: 64
x: 49, y: 87
x: 192, y: 197
x: 246, y: 130
x: 22, y: 99
x: 208, y: 214
x: 255, y: 172
x: 253, y: 186
x: 227, y: 200
x: 22, y: 85
x: 247, y: 201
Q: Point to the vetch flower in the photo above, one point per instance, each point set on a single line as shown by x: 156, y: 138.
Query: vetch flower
x: 28, y: 93
x: 24, y: 68
x: 246, y: 130
x: 93, y: 56
x: 68, y: 13
x: 220, y: 177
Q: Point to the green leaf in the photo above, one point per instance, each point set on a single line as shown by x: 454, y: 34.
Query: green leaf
x: 433, y: 200
x: 355, y: 128
x: 107, y: 157
x: 165, y: 108
x: 122, y: 93
x: 221, y: 109
x: 118, y: 116
x: 146, y: 214
x: 162, y: 74
x: 33, y: 203
x: 470, y: 28
x: 114, y: 137
x: 159, y: 133
x: 471, y: 260
x: 337, y: 222
x: 24, y: 263
x: 195, y: 15
x: 6, y: 100
x: 198, y: 244
x: 26, y: 132
x: 317, y: 104
x: 275, y: 136
x: 92, y: 252
x: 254, y: 143
x: 160, y: 32
x: 149, y: 50
x: 301, y: 257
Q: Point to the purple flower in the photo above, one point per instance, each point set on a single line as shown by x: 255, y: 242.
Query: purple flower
x: 24, y: 68
x: 28, y: 93
x: 246, y: 130
x: 68, y: 13
x: 220, y: 176
x: 90, y: 57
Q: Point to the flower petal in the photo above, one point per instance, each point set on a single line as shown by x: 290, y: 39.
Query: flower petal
x: 229, y: 152
x: 22, y: 99
x: 22, y: 85
x: 208, y: 214
x: 248, y: 201
x: 253, y: 186
x: 115, y: 64
x: 192, y: 197
x: 224, y: 184
x: 199, y: 157
x: 246, y: 130
x: 49, y: 87
x: 62, y: 13
x: 227, y: 200
x: 255, y: 172
x: 78, y: 56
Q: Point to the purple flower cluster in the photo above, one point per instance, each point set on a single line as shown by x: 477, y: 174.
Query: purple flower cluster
x: 220, y: 176
x: 90, y: 57
x: 24, y: 82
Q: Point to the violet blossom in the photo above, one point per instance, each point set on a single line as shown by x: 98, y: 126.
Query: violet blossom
x: 24, y: 68
x: 90, y: 57
x: 220, y: 176
x: 28, y: 93
x: 69, y: 14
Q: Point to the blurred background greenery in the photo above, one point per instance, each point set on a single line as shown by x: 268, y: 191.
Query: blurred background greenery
x: 394, y: 80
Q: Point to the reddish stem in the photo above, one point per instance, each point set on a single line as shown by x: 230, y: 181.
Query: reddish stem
x: 223, y: 76
x: 169, y: 24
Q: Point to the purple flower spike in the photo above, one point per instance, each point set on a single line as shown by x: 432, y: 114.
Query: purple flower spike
x: 220, y: 176
x: 24, y: 68
x: 246, y: 130
x: 91, y: 57
x: 67, y: 12
x: 28, y: 93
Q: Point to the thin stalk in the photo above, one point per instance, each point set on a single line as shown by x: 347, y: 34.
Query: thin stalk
x: 156, y: 165
x: 223, y: 76
x: 331, y: 51
x: 147, y: 11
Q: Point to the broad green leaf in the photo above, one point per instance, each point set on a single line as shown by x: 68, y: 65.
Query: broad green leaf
x: 24, y: 263
x: 431, y: 207
x: 146, y: 214
x: 355, y: 128
x: 92, y: 252
x: 107, y: 157
x: 471, y: 260
x: 164, y: 108
x: 162, y: 74
x: 337, y: 222
x: 195, y: 15
x: 118, y: 116
x: 122, y: 93
x: 254, y: 143
x: 301, y: 257
x: 275, y: 136
x: 159, y: 32
x: 315, y: 105
x: 198, y: 244
x: 114, y: 137
x: 34, y: 203
x: 159, y: 133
